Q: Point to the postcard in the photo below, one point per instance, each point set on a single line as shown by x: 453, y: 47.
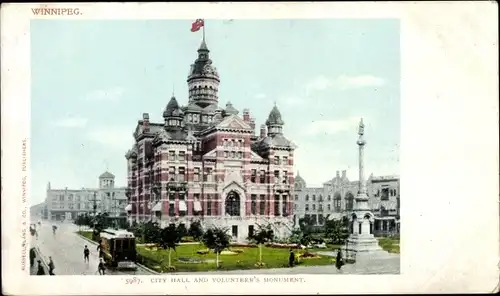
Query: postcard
x: 249, y: 148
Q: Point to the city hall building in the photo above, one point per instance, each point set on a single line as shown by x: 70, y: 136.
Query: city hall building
x: 206, y: 163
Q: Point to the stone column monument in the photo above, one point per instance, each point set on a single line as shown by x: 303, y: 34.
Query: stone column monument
x: 361, y: 239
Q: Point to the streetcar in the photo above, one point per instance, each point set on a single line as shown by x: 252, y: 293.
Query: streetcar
x: 118, y: 248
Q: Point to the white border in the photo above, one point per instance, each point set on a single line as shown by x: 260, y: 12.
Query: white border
x: 449, y: 156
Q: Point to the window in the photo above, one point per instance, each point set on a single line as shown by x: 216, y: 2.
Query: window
x: 250, y: 230
x: 329, y: 207
x: 182, y: 172
x: 233, y: 154
x: 61, y: 197
x: 320, y: 197
x: 349, y: 201
x: 262, y: 177
x: 226, y: 154
x: 307, y: 207
x: 171, y: 197
x: 277, y: 205
x: 253, y: 176
x: 262, y: 204
x: 314, y: 207
x: 182, y: 155
x: 285, y: 177
x: 276, y: 176
x: 70, y: 197
x: 209, y: 206
x: 171, y: 155
x: 284, y: 207
x: 207, y: 177
x: 307, y: 197
x: 385, y: 194
x: 296, y: 197
x: 276, y: 160
x: 233, y: 204
x: 253, y: 208
x: 329, y: 198
x: 171, y: 209
x: 171, y: 173
x: 285, y: 160
x: 70, y: 206
x: 314, y: 197
x: 196, y: 176
x: 225, y: 143
x: 240, y: 155
x: 295, y: 206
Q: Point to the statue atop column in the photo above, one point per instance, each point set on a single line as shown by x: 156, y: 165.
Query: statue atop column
x: 361, y: 130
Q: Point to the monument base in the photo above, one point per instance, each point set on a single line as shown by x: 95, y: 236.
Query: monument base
x: 361, y: 246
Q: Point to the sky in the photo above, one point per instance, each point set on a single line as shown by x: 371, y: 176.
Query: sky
x: 91, y: 80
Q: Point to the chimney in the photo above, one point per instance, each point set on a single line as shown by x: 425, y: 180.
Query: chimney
x: 338, y: 175
x: 246, y: 115
x: 263, y: 133
x: 252, y: 124
x: 48, y: 186
x: 344, y: 174
x: 145, y: 122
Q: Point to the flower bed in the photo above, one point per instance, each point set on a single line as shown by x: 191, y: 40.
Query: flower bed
x: 244, y: 245
x: 283, y: 246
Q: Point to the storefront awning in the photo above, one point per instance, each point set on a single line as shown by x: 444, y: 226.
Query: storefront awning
x: 182, y: 206
x: 128, y: 208
x: 197, y: 206
x: 157, y: 207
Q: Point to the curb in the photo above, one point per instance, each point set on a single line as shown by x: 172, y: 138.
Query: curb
x: 138, y: 264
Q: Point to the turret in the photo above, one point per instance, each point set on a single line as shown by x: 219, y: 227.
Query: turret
x: 274, y: 122
x: 173, y: 115
x: 203, y: 80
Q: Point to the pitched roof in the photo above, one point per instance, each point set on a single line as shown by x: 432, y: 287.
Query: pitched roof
x: 106, y: 174
x: 233, y: 122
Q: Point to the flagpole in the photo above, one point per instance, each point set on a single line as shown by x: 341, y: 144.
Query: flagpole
x: 203, y: 30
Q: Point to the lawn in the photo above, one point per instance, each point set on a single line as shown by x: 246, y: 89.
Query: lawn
x: 247, y: 259
x: 391, y: 245
x: 157, y: 259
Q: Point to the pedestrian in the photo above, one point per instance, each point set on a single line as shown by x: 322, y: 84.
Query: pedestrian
x: 291, y: 258
x: 86, y: 253
x: 339, y: 261
x: 32, y: 257
x: 40, y: 271
x: 101, y: 268
x: 51, y: 266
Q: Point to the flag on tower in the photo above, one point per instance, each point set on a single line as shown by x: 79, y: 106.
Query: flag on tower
x: 197, y: 25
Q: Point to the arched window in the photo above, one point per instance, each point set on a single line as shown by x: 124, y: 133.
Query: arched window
x: 233, y: 204
x: 349, y: 201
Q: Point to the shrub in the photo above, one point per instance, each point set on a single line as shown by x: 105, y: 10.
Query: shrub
x: 188, y: 239
x: 203, y: 252
x: 238, y: 251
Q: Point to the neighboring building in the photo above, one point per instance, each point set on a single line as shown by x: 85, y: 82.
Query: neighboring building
x: 37, y: 211
x: 206, y: 163
x: 337, y: 197
x: 67, y: 204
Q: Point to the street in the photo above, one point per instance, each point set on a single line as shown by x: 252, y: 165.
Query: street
x: 66, y: 249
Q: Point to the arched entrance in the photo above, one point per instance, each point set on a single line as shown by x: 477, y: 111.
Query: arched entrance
x: 232, y: 204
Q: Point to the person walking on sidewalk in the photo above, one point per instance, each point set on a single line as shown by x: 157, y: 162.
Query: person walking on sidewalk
x: 40, y: 270
x: 51, y: 266
x: 101, y: 268
x: 86, y: 253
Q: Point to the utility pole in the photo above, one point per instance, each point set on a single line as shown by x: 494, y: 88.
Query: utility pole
x: 95, y: 208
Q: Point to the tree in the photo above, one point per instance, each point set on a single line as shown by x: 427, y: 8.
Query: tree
x: 337, y: 230
x: 216, y: 239
x: 169, y: 239
x: 152, y: 232
x: 263, y: 235
x: 195, y: 230
x: 181, y: 229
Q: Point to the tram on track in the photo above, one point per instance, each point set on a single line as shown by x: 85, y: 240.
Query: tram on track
x: 118, y: 248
